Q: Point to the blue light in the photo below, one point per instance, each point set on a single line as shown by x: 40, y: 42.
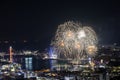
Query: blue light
x: 52, y: 56
x: 51, y: 53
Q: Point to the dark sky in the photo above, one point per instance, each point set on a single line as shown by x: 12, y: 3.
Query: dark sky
x: 36, y: 21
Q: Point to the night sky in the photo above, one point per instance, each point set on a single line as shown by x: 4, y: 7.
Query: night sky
x: 32, y: 24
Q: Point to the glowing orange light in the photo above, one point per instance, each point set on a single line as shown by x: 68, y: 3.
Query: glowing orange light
x: 92, y: 49
x: 69, y: 34
x: 11, y: 54
x: 62, y: 44
x: 77, y: 46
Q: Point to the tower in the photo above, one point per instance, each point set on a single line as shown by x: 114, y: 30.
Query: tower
x: 11, y: 54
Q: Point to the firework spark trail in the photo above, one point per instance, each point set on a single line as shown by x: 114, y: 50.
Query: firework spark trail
x: 72, y: 40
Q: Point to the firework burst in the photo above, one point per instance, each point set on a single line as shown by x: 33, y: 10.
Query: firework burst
x: 72, y: 40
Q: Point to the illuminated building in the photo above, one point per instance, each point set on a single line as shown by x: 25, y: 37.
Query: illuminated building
x: 29, y: 61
